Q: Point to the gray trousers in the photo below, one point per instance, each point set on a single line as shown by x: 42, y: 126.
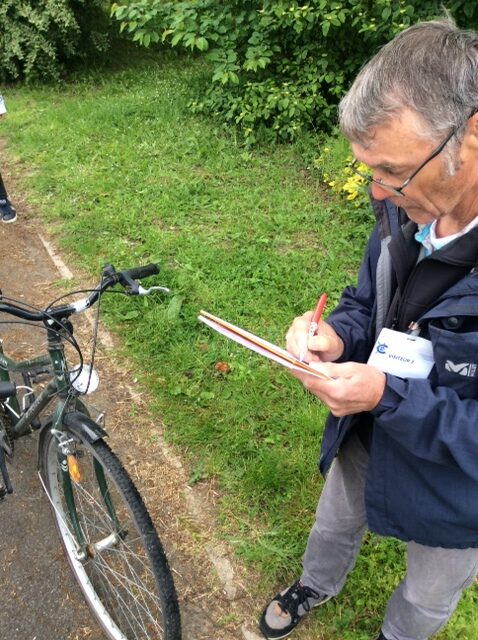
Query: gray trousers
x: 435, y: 577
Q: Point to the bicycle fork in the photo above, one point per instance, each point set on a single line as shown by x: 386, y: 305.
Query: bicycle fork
x: 7, y: 390
x: 70, y: 475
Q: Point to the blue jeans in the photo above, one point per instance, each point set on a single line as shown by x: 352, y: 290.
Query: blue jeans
x: 435, y: 577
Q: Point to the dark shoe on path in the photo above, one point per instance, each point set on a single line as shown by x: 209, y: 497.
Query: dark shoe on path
x: 287, y: 608
x: 8, y: 212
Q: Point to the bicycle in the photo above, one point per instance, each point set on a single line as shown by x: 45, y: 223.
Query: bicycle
x: 105, y: 529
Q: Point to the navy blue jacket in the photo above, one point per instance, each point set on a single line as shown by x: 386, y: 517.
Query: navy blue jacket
x: 422, y: 481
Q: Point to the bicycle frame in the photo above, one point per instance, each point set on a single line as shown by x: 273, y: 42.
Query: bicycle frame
x: 57, y: 386
x: 55, y: 320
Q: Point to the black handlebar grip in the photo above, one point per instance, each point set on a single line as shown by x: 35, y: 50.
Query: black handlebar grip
x: 137, y: 273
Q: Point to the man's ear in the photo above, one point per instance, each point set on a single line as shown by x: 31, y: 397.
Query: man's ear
x: 471, y: 135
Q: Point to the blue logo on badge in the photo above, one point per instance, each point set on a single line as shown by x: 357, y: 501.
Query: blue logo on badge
x: 381, y: 347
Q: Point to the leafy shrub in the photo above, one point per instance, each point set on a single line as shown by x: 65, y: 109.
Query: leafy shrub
x: 278, y: 66
x: 40, y: 39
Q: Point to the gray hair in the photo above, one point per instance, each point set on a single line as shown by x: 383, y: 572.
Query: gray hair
x: 431, y: 68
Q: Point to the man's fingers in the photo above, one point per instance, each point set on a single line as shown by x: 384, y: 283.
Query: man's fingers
x: 319, y: 343
x: 354, y: 388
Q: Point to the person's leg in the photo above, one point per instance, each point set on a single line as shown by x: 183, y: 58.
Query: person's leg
x: 3, y: 191
x: 332, y: 547
x: 341, y: 520
x: 427, y: 596
x: 7, y: 210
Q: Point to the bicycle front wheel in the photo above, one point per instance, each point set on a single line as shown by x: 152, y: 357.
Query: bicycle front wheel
x: 109, y: 539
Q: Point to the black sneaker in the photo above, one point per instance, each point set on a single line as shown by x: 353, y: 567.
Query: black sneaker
x: 381, y: 637
x: 7, y: 211
x: 286, y: 610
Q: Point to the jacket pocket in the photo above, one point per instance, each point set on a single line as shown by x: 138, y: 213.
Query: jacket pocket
x: 456, y: 360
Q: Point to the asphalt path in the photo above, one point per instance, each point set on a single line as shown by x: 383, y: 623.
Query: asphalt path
x: 39, y: 598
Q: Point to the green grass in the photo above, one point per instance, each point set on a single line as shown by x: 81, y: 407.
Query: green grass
x: 122, y: 172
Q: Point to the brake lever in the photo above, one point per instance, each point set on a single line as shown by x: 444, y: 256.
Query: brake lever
x: 131, y: 286
x: 145, y: 292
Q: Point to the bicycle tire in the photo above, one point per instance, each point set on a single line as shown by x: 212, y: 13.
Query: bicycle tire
x: 128, y: 585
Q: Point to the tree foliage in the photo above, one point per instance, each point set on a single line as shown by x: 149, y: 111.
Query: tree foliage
x: 39, y: 39
x: 278, y: 66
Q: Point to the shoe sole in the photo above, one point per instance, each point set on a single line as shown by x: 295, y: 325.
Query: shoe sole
x: 289, y: 632
x: 8, y: 221
x: 277, y: 637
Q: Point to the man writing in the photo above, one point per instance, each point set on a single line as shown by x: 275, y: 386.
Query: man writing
x: 401, y: 451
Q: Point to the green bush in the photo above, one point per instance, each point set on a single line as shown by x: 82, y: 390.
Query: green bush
x: 278, y: 66
x: 39, y: 39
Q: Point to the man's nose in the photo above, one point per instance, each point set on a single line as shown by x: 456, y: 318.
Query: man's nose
x: 378, y: 192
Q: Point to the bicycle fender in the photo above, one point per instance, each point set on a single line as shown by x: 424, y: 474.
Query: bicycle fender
x: 84, y: 426
x: 80, y: 424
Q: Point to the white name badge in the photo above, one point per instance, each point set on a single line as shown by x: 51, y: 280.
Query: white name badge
x: 402, y: 355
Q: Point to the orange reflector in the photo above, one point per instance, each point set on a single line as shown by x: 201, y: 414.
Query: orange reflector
x: 73, y: 468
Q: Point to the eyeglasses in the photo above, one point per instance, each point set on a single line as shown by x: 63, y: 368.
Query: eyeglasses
x: 397, y: 191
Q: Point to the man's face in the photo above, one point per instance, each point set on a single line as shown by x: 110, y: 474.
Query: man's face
x: 394, y: 153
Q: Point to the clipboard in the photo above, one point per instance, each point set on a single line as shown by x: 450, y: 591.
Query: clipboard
x: 258, y: 345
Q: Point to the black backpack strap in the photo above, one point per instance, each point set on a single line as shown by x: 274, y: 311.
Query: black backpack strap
x: 430, y: 278
x: 389, y: 219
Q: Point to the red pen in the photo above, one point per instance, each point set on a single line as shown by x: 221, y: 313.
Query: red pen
x: 319, y: 308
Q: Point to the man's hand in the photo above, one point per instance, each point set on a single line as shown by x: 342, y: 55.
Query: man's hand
x: 325, y: 346
x: 355, y: 387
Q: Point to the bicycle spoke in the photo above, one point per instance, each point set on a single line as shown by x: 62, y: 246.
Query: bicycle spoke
x: 142, y: 609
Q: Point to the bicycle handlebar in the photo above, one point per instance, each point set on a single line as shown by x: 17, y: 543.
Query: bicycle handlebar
x: 136, y: 273
x: 110, y: 277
